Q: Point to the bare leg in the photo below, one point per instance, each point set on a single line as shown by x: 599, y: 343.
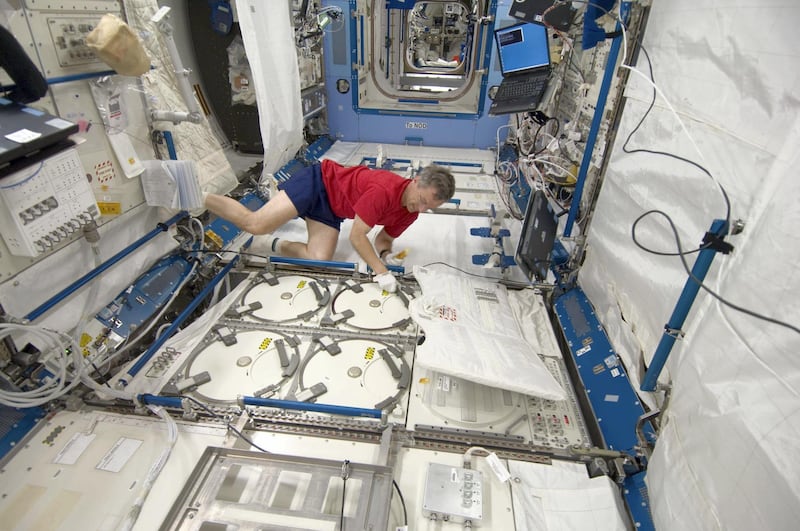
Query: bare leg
x: 277, y: 212
x: 322, y: 240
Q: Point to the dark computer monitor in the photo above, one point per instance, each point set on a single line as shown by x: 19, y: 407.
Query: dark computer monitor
x: 547, y: 12
x: 535, y: 247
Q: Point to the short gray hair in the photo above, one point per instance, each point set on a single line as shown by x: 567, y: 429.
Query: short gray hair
x: 440, y: 178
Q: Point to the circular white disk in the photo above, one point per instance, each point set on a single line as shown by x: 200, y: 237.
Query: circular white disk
x: 373, y: 308
x: 243, y: 368
x: 356, y: 377
x: 467, y: 404
x: 289, y: 299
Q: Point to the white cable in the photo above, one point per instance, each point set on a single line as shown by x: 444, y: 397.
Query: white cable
x: 198, y: 236
x: 330, y: 9
x: 624, y: 29
x: 53, y: 344
x: 497, y: 143
x: 624, y: 33
x: 669, y: 106
x: 161, y: 329
x: 467, y: 458
x: 551, y: 136
x: 508, y: 167
x: 560, y: 167
x: 532, y: 183
x: 93, y: 291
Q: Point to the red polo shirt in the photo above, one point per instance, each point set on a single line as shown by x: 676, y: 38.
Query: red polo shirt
x: 374, y: 195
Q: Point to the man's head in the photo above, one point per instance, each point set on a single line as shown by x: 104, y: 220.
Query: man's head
x: 432, y: 187
x: 439, y: 178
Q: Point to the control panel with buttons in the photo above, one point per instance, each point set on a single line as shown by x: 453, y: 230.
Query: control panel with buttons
x: 453, y: 494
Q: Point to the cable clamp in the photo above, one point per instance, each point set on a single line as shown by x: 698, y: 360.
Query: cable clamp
x: 716, y: 243
x: 677, y: 333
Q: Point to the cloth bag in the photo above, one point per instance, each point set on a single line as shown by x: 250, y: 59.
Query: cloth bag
x: 118, y: 46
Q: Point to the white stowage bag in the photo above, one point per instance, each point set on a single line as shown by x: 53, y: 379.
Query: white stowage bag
x: 118, y: 46
x: 470, y: 332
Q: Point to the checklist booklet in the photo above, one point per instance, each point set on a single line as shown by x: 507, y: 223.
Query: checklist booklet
x: 172, y: 184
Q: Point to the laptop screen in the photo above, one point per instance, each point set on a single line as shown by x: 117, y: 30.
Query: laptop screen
x: 522, y: 47
x: 535, y: 247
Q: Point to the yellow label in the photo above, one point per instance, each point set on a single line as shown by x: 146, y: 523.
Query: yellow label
x: 301, y: 284
x: 85, y: 338
x: 370, y: 353
x: 265, y: 343
x: 110, y: 209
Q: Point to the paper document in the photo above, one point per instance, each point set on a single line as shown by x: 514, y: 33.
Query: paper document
x: 172, y: 184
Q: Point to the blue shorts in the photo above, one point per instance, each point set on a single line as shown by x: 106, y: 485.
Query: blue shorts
x: 307, y: 193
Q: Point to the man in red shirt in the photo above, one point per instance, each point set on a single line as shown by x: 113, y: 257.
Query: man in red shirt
x: 327, y: 193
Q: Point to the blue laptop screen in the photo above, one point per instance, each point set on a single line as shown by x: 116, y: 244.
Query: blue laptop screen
x: 522, y: 47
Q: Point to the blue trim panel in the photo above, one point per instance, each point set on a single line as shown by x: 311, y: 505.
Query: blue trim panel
x: 600, y: 109
x: 21, y: 421
x: 615, y: 405
x: 634, y: 491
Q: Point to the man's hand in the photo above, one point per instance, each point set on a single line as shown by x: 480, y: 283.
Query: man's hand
x: 387, y: 282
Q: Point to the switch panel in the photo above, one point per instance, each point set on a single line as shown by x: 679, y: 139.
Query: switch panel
x: 453, y: 494
x: 45, y: 204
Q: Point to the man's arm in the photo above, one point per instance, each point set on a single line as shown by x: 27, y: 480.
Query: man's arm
x: 383, y: 244
x: 360, y: 242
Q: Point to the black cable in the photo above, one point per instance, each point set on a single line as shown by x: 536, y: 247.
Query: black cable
x: 425, y: 265
x: 97, y: 370
x: 709, y: 290
x: 625, y: 148
x: 459, y: 269
x: 345, y: 475
x: 651, y: 251
x: 536, y: 135
x: 402, y: 501
x: 227, y: 424
x: 503, y: 189
x: 681, y: 253
x: 650, y: 107
x: 341, y: 514
x: 209, y: 251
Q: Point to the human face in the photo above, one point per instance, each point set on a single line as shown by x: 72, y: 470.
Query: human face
x: 422, y: 199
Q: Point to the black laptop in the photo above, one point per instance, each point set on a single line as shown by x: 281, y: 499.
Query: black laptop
x: 559, y: 16
x: 24, y: 131
x: 524, y: 51
x: 535, y: 247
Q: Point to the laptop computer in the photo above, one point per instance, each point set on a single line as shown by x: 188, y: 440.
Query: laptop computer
x: 534, y: 251
x: 25, y: 131
x: 524, y: 52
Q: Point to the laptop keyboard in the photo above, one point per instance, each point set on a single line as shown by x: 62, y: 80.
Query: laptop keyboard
x: 519, y: 88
